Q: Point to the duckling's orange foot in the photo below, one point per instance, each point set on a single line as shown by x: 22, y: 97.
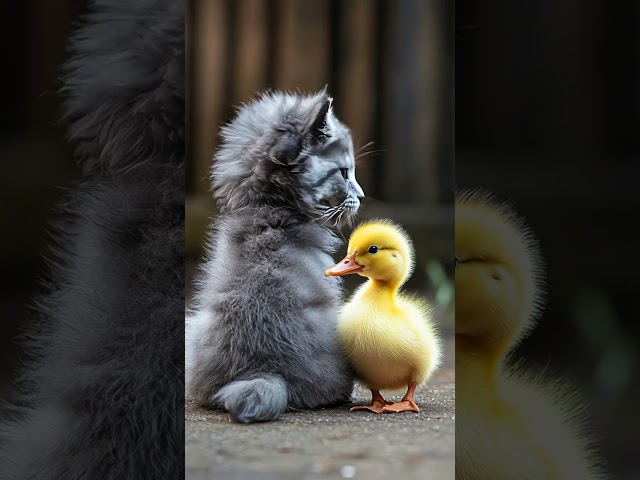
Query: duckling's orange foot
x: 403, y: 406
x: 376, y: 406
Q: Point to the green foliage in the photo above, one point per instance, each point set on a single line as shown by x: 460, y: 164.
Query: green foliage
x: 443, y: 286
x: 598, y: 323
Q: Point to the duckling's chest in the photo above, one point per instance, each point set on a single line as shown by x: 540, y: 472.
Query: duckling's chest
x: 376, y: 332
x: 380, y: 345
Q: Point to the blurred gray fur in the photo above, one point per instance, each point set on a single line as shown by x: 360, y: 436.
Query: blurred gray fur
x: 260, y: 335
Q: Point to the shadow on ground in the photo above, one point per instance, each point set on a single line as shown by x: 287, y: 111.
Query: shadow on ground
x: 331, y: 443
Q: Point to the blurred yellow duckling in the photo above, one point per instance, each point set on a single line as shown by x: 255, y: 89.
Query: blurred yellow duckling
x: 388, y: 336
x: 510, y: 423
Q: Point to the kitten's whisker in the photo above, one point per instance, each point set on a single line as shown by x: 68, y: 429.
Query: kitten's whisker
x: 364, y: 146
x: 325, y: 222
x: 364, y: 154
x: 336, y: 211
x: 329, y: 212
x: 332, y: 212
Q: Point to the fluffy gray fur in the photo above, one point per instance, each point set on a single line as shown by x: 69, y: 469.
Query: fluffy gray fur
x: 260, y: 337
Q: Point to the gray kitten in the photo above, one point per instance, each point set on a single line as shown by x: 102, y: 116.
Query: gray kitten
x: 260, y: 338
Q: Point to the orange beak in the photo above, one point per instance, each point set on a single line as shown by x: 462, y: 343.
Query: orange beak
x: 346, y: 266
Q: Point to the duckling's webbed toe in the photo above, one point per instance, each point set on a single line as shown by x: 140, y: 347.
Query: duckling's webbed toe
x: 377, y: 405
x: 403, y: 406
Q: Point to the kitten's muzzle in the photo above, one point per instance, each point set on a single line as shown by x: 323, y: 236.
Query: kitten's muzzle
x: 352, y: 203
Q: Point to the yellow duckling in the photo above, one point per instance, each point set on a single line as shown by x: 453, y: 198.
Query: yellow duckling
x: 388, y: 336
x: 511, y: 423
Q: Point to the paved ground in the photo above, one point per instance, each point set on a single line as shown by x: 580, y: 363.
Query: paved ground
x: 331, y: 443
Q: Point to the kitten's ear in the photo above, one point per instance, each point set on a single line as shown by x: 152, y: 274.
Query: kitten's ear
x: 319, y: 115
x: 286, y: 149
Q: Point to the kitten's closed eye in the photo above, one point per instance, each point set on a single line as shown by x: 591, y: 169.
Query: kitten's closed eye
x: 344, y: 172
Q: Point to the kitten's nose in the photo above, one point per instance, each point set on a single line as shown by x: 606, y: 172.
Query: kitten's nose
x: 357, y: 189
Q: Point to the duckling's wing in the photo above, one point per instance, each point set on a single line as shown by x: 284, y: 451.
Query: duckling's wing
x: 420, y: 315
x: 417, y: 309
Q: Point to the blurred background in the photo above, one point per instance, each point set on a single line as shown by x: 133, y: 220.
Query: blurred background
x: 389, y: 67
x: 35, y: 157
x: 547, y: 111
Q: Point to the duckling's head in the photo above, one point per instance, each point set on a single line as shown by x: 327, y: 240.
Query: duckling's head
x: 380, y: 250
x: 498, y: 272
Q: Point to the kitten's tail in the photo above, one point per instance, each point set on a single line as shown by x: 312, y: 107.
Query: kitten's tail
x: 260, y: 399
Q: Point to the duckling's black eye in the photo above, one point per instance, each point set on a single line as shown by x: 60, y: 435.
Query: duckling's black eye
x: 373, y: 249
